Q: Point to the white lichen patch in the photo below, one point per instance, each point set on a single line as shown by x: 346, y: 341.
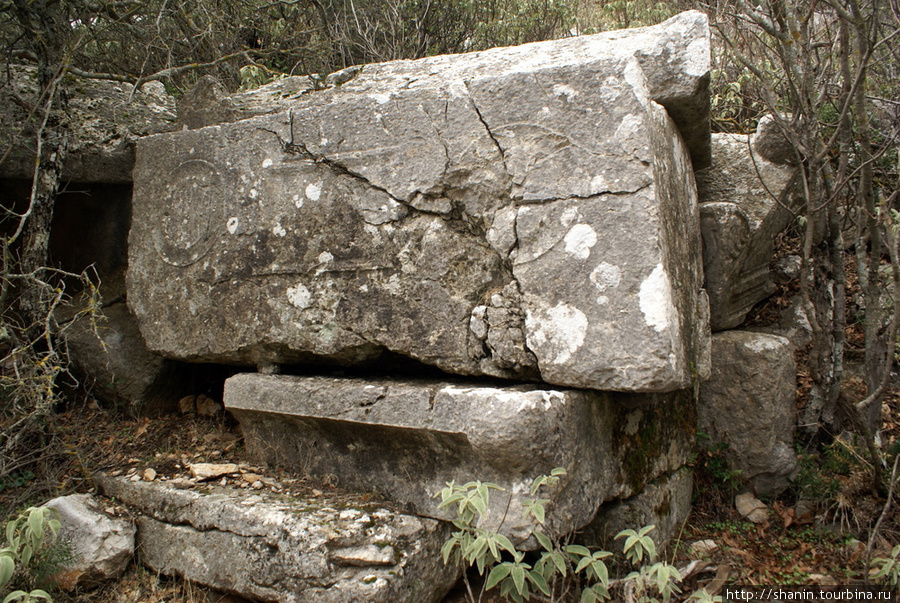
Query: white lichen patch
x: 267, y: 163
x: 579, y: 241
x: 298, y: 201
x: 766, y: 343
x: 232, y: 225
x: 564, y: 90
x: 606, y: 276
x: 630, y: 127
x: 655, y: 298
x: 633, y: 422
x: 381, y: 99
x: 325, y: 257
x: 279, y: 230
x: 599, y: 184
x: 568, y: 216
x: 299, y: 296
x: 314, y: 191
x: 554, y: 334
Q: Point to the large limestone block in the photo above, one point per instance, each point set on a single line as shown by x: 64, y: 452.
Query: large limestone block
x: 523, y: 212
x: 267, y: 547
x: 408, y: 439
x: 745, y: 201
x: 749, y: 404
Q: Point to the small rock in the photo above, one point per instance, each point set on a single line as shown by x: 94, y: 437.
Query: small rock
x: 188, y: 404
x: 149, y: 474
x: 135, y: 478
x: 207, y: 407
x: 207, y: 471
x: 257, y: 485
x: 704, y: 547
x: 182, y: 483
x: 251, y: 477
x: 751, y: 508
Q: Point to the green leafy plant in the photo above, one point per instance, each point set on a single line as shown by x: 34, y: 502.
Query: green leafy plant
x: 32, y: 553
x: 559, y: 566
x: 887, y: 569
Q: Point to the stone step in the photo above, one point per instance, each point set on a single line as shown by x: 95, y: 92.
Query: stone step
x: 407, y: 439
x: 280, y: 548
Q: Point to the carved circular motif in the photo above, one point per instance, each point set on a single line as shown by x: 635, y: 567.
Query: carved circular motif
x: 191, y: 208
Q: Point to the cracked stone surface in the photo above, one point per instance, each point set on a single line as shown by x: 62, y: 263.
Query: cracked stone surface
x: 264, y: 547
x: 524, y: 212
x: 407, y: 439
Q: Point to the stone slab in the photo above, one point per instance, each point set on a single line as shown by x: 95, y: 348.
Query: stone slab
x: 406, y: 440
x: 524, y: 212
x: 277, y: 548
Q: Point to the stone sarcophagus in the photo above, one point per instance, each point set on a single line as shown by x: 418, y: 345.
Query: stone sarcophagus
x: 526, y: 213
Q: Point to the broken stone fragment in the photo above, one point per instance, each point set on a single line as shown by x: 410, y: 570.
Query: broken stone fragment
x: 208, y: 471
x: 751, y: 508
x: 101, y: 546
x: 746, y: 200
x: 526, y: 212
x: 748, y: 405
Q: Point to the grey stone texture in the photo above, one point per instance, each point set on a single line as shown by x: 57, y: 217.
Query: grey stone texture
x: 106, y: 118
x: 407, y: 439
x: 664, y: 503
x: 116, y: 367
x: 207, y: 103
x: 749, y: 403
x: 523, y: 212
x: 746, y: 200
x: 102, y: 546
x: 269, y: 547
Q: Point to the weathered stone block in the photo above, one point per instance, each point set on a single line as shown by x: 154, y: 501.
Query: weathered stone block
x: 749, y: 404
x: 287, y: 550
x: 524, y: 212
x: 408, y: 439
x: 746, y: 200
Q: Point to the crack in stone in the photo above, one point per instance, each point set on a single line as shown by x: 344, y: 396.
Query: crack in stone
x: 490, y: 133
x: 299, y: 148
x: 583, y: 197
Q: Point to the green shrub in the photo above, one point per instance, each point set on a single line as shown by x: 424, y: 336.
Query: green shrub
x: 32, y: 554
x: 559, y: 566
